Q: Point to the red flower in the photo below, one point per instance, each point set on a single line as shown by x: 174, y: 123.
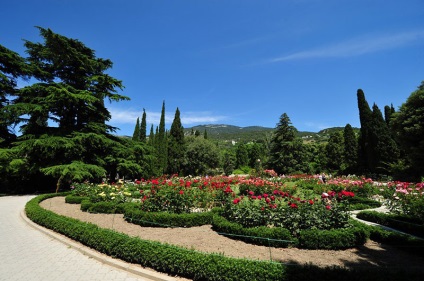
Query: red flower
x: 328, y: 207
x: 293, y: 206
x: 311, y: 202
x: 236, y: 201
x: 181, y: 192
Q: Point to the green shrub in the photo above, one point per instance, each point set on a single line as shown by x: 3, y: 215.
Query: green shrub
x: 262, y: 235
x: 403, y: 223
x: 165, y: 258
x: 75, y: 199
x: 361, y: 203
x: 164, y: 219
x: 332, y: 239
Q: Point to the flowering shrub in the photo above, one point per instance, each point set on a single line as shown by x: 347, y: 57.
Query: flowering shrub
x: 280, y: 209
x: 405, y: 198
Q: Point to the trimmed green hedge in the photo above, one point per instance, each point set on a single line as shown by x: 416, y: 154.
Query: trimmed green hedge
x: 74, y: 199
x: 276, y: 237
x: 399, y: 222
x: 333, y: 239
x: 201, y: 266
x: 106, y: 207
x: 163, y: 219
x: 161, y: 257
x: 361, y: 203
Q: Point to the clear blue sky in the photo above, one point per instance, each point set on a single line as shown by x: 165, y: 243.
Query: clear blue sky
x: 240, y: 62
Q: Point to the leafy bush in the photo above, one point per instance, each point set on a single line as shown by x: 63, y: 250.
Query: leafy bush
x: 361, y: 203
x: 163, y: 219
x: 332, y: 239
x: 262, y: 235
x: 75, y: 199
x: 404, y: 223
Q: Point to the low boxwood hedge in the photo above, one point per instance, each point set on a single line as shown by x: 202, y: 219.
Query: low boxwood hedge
x: 162, y: 257
x: 399, y: 222
x: 276, y: 237
x: 333, y: 239
x: 163, y: 219
x: 74, y: 199
x: 201, y: 266
x: 106, y: 207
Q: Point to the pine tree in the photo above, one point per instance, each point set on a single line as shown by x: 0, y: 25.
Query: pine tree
x: 286, y: 151
x: 143, y: 127
x: 176, y: 145
x: 136, y: 134
x: 12, y: 67
x: 69, y: 91
x: 350, y: 153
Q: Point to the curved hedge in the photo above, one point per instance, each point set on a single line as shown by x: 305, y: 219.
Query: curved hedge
x: 276, y: 237
x: 403, y: 223
x: 74, y: 199
x: 163, y: 219
x: 162, y: 257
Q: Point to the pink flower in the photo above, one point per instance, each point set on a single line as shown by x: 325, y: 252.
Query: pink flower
x: 181, y: 192
x: 328, y: 207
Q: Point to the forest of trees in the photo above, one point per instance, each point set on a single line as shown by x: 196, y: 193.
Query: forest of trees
x: 63, y: 137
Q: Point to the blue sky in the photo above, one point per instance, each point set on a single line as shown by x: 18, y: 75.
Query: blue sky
x: 240, y: 62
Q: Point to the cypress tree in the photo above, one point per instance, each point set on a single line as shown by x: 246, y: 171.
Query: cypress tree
x: 350, y: 153
x: 384, y: 147
x: 365, y: 152
x: 205, y: 135
x: 136, y: 134
x: 176, y: 145
x: 143, y: 127
x: 161, y: 142
x: 151, y: 137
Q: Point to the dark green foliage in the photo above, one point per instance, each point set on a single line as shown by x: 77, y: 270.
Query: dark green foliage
x: 242, y: 155
x: 377, y: 149
x: 136, y: 134
x: 400, y: 222
x: 161, y: 142
x: 165, y: 219
x: 350, y: 153
x: 143, y: 127
x: 104, y: 207
x: 275, y: 237
x: 205, y: 135
x: 74, y: 199
x: 286, y: 150
x: 332, y: 239
x: 334, y: 150
x: 229, y: 162
x: 408, y: 127
x: 176, y: 146
x: 201, y: 157
x: 361, y: 203
x: 165, y: 258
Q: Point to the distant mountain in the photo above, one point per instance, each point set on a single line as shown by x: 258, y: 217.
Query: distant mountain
x: 256, y: 133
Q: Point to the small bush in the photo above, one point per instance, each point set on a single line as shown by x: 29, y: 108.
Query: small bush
x: 74, y: 199
x: 332, y: 239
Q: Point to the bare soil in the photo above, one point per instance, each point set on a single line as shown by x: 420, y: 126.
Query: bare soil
x: 204, y: 239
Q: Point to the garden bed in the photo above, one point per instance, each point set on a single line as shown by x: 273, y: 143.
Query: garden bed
x: 204, y: 239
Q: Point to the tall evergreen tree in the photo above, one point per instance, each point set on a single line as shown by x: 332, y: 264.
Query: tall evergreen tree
x: 286, y: 151
x: 365, y: 152
x: 136, y: 134
x: 334, y: 150
x: 143, y: 127
x: 176, y: 147
x: 384, y: 147
x: 350, y: 153
x: 161, y: 142
x: 388, y: 112
x: 242, y: 155
x: 70, y: 88
x: 12, y: 67
x: 205, y: 135
x: 408, y: 125
x: 151, y: 141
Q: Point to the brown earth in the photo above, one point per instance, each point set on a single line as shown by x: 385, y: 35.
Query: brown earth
x: 204, y: 239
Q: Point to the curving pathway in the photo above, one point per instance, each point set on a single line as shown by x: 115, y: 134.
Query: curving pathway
x: 27, y: 253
